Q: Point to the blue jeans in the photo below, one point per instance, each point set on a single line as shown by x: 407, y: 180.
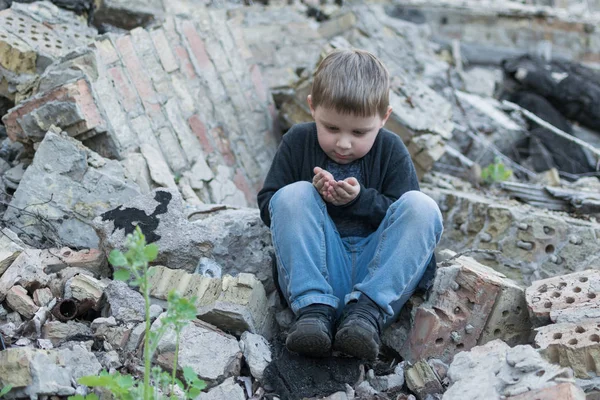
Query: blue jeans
x: 316, y: 265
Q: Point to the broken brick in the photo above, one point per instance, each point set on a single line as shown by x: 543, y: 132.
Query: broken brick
x: 562, y: 391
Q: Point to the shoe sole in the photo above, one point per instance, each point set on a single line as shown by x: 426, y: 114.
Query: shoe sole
x: 309, y: 344
x: 349, y: 340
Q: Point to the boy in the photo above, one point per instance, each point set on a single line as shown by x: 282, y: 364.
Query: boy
x: 352, y: 233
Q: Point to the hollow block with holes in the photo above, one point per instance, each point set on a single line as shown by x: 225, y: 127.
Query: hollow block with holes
x: 470, y: 304
x: 572, y: 345
x: 563, y: 391
x: 580, y: 289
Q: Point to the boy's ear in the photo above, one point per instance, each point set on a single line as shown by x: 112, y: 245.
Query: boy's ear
x: 312, y: 110
x: 386, y: 116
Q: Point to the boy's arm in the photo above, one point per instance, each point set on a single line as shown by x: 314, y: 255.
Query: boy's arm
x: 370, y: 204
x: 280, y: 174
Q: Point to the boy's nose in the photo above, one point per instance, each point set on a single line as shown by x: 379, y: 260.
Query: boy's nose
x: 344, y: 143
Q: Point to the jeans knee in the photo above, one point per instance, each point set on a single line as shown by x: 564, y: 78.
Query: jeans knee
x: 421, y: 207
x: 293, y: 197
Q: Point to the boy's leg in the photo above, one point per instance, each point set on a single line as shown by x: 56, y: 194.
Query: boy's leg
x: 310, y: 255
x: 389, y: 270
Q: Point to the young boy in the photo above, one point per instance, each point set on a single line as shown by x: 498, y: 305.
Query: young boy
x: 353, y: 234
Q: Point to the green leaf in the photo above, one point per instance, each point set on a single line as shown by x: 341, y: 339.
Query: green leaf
x: 189, y: 375
x: 117, y: 259
x: 121, y: 274
x: 199, y: 384
x: 77, y: 397
x: 151, y: 251
x: 96, y: 381
x: 5, y: 390
x: 193, y: 393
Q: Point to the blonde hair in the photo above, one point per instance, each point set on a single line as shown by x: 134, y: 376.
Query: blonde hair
x: 352, y: 82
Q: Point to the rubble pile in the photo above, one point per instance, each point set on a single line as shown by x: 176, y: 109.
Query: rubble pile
x: 166, y: 115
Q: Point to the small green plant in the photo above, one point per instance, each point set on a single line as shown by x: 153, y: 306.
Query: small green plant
x: 495, y: 172
x: 133, y: 265
x: 5, y: 390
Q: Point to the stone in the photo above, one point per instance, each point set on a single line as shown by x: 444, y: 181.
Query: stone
x: 257, y: 353
x: 10, y: 247
x: 59, y: 332
x: 128, y: 14
x: 422, y: 381
x: 15, y: 368
x: 59, y: 182
x: 81, y: 361
x: 237, y: 240
x: 42, y: 297
x: 235, y: 304
x: 98, y: 322
x: 84, y: 287
x: 159, y: 170
x: 494, y: 370
x: 135, y: 337
x: 390, y: 382
x: 563, y: 391
x: 562, y: 293
x: 117, y: 336
x: 212, y: 354
x: 18, y: 299
x: 482, y: 81
x: 579, y: 313
x: 229, y: 389
x: 572, y: 345
x: 468, y: 215
x: 469, y: 304
x: 125, y: 304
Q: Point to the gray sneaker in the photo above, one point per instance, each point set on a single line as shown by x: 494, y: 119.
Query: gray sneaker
x: 312, y: 333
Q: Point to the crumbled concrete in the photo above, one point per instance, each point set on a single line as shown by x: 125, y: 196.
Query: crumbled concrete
x: 229, y: 389
x: 18, y: 299
x: 390, y: 382
x: 10, y: 248
x: 237, y: 240
x: 572, y: 345
x: 495, y: 370
x: 564, y: 292
x: 257, y: 353
x: 61, y: 180
x: 125, y: 304
x: 200, y: 342
x: 562, y: 391
x: 83, y: 287
x: 59, y: 332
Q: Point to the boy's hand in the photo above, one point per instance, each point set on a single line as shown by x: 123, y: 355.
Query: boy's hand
x: 335, y: 192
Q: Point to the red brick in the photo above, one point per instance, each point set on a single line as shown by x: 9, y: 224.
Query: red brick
x: 138, y: 75
x: 127, y: 94
x: 452, y: 309
x: 161, y: 44
x: 241, y: 182
x: 186, y: 64
x: 196, y: 45
x: 78, y: 92
x: 562, y: 293
x: 223, y: 145
x: 257, y: 79
x: 199, y: 130
x: 563, y: 391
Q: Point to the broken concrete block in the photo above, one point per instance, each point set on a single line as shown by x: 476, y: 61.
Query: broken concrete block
x: 61, y: 181
x: 59, y: 332
x: 229, y: 389
x: 572, y: 345
x: 562, y: 293
x: 422, y: 381
x: 533, y: 243
x: 257, y: 353
x: 237, y: 240
x: 18, y: 299
x: 116, y: 336
x: 42, y: 297
x: 10, y: 247
x: 98, y: 322
x: 241, y: 306
x: 91, y: 260
x: 390, y: 382
x: 82, y: 287
x: 235, y: 304
x: 212, y: 354
x: 579, y: 313
x: 14, y: 367
x: 562, y: 391
x: 494, y: 370
x: 125, y: 304
x: 469, y: 304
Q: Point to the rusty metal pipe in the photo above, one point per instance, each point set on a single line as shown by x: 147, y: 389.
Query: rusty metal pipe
x: 65, y: 310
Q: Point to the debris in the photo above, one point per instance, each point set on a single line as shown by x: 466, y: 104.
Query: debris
x: 553, y: 198
x: 469, y: 304
x: 124, y: 303
x: 229, y: 389
x: 256, y: 352
x: 496, y: 370
x: 18, y: 300
x: 422, y: 381
x: 563, y: 391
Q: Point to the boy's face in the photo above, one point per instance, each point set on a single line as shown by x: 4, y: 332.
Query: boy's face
x: 346, y: 137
